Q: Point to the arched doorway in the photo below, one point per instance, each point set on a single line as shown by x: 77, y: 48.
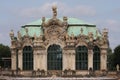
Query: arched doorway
x: 81, y: 58
x: 54, y: 57
x: 27, y: 58
x: 96, y: 58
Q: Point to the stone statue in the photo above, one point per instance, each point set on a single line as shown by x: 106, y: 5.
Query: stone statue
x: 105, y: 32
x: 19, y: 35
x: 41, y: 38
x: 35, y: 37
x: 54, y: 8
x: 43, y: 21
x: 65, y: 19
x: 11, y: 35
x: 67, y: 36
x: 65, y: 24
x: 105, y: 36
x: 90, y: 36
x: 72, y: 36
x: 117, y: 67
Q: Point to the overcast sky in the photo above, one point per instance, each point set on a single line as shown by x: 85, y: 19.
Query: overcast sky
x: 103, y: 13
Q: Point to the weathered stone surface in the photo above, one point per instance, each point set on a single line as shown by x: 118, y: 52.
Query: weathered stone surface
x: 56, y: 31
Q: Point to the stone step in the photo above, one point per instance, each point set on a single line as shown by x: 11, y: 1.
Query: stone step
x: 58, y: 78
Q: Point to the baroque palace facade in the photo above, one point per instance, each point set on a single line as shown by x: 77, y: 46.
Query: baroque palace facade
x: 58, y: 44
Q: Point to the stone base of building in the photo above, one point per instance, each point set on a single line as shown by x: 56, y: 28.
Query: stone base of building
x: 59, y: 73
x: 62, y: 75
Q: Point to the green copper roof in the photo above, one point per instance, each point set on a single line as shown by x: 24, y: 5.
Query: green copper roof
x: 70, y: 21
x: 75, y: 26
x: 76, y: 30
x: 76, y: 21
x: 31, y: 31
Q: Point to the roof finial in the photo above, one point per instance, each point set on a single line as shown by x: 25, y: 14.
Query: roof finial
x: 81, y: 31
x: 96, y: 33
x: 54, y: 9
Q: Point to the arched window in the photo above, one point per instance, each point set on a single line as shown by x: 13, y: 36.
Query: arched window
x: 54, y: 57
x: 81, y: 58
x: 27, y: 58
x: 96, y: 58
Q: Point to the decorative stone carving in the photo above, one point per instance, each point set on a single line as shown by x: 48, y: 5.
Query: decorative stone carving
x: 35, y: 37
x: 11, y: 35
x: 19, y: 36
x: 65, y: 24
x: 105, y: 36
x: 27, y: 41
x: 90, y: 45
x: 55, y: 32
x: 72, y: 36
x: 67, y: 37
x: 90, y: 35
x: 40, y: 38
x: 54, y: 9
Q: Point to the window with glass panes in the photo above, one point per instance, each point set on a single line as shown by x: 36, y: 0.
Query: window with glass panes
x: 81, y: 58
x: 54, y: 57
x: 27, y: 58
x: 96, y: 58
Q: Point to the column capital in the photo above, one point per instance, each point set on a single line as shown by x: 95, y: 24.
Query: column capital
x: 90, y: 51
x: 104, y: 51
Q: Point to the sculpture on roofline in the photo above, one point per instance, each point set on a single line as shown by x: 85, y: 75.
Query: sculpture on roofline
x: 54, y: 9
x: 90, y: 35
x: 35, y: 37
x: 67, y: 36
x: 105, y: 36
x: 19, y: 35
x: 11, y: 35
x: 72, y: 36
x: 65, y: 24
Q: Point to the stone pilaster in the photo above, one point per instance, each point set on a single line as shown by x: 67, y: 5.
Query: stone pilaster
x: 72, y: 61
x: 35, y: 60
x: 43, y: 60
x: 20, y: 59
x: 103, y: 59
x: 69, y: 59
x: 13, y: 60
x: 65, y: 60
x: 90, y: 59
